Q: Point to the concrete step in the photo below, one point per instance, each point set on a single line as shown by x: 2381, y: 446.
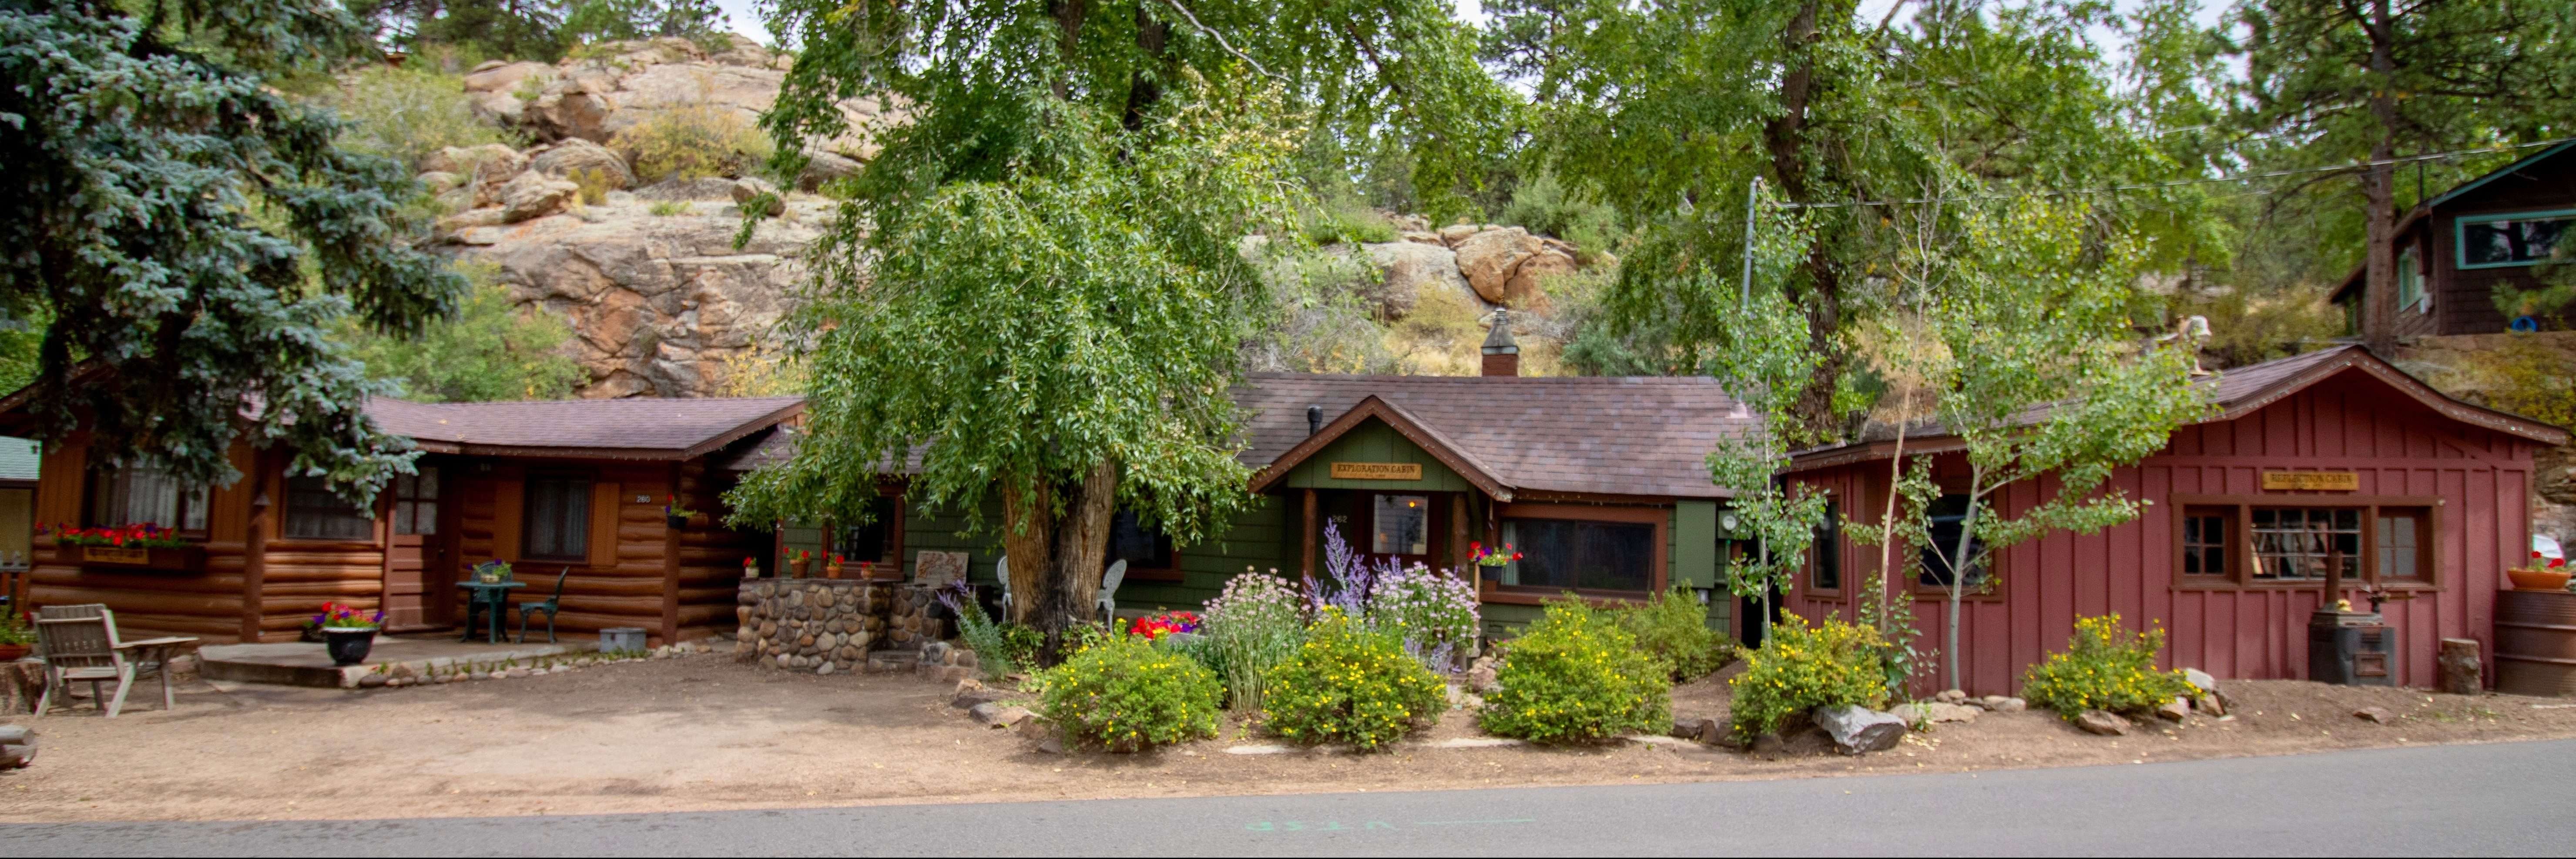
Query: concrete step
x: 308, y: 664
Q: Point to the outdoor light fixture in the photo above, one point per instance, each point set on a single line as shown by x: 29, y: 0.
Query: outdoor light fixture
x: 1727, y: 520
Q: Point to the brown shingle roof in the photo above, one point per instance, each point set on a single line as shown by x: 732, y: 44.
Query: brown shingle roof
x: 1592, y: 435
x: 617, y: 429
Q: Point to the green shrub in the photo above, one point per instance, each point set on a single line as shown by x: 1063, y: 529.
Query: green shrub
x: 1804, y: 667
x: 405, y: 113
x: 667, y: 208
x: 692, y: 142
x: 1350, y: 684
x: 1576, y: 677
x: 1125, y: 694
x: 1348, y: 221
x: 1673, y: 628
x: 1020, y: 644
x: 492, y: 349
x: 1250, y: 628
x: 2106, y: 667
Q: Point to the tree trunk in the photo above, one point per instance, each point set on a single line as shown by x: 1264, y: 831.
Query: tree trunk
x: 1057, y: 538
x: 1028, y: 540
x: 1785, y: 138
x: 1959, y: 584
x: 2379, y: 191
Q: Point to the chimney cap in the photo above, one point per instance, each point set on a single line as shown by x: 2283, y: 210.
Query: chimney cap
x: 1499, y: 341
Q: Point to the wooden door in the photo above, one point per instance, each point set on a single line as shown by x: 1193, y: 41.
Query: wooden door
x: 418, y: 569
x: 1408, y: 527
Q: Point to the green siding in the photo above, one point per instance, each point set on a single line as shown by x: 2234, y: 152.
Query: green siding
x: 933, y: 530
x: 1694, y: 550
x: 1259, y: 537
x: 1374, y: 441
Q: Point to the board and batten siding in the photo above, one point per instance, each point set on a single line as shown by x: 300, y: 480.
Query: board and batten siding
x: 1374, y: 441
x: 2347, y: 423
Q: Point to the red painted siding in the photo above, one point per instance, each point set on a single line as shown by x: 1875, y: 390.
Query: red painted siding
x: 2351, y: 422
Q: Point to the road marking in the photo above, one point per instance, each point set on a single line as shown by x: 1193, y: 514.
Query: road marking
x: 1474, y: 822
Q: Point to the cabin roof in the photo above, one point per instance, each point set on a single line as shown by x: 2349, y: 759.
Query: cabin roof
x: 638, y: 428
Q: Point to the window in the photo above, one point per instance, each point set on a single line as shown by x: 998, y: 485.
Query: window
x: 1827, y: 571
x: 2488, y: 241
x: 144, y: 493
x: 314, y: 512
x: 1947, y: 514
x: 558, y: 518
x: 1141, y: 547
x: 2301, y: 543
x: 2410, y: 279
x: 1401, y: 525
x: 2204, y: 542
x: 880, y: 541
x: 1562, y: 554
x: 416, y: 502
x: 2404, y: 538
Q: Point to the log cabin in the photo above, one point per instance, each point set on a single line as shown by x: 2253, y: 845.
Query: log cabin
x: 2332, y: 466
x: 2455, y: 249
x: 571, y: 487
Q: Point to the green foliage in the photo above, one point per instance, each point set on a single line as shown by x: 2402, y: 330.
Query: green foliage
x: 1347, y: 221
x: 692, y: 142
x: 492, y: 349
x: 194, y: 235
x: 1125, y: 694
x: 2524, y: 376
x: 1020, y: 645
x: 406, y: 113
x: 668, y: 208
x: 1673, y: 628
x: 1545, y: 206
x: 1251, y: 627
x: 599, y: 20
x: 21, y: 338
x: 594, y: 184
x: 992, y: 645
x: 1350, y: 684
x: 1804, y: 667
x: 2105, y: 667
x: 1576, y: 677
x: 524, y: 29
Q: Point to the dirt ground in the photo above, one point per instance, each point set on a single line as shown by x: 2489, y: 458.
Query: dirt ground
x: 706, y: 732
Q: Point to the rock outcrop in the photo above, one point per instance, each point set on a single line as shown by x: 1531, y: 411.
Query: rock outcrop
x: 616, y: 86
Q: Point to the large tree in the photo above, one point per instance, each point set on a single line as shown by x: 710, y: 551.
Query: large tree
x: 193, y: 236
x: 1035, y: 290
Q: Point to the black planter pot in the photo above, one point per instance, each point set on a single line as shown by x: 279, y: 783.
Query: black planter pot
x: 348, y: 646
x: 678, y: 523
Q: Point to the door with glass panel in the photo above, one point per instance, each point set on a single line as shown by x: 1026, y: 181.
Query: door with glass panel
x: 1404, y: 527
x: 419, y: 575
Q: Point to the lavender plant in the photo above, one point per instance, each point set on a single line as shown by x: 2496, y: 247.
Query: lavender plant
x: 1433, y: 612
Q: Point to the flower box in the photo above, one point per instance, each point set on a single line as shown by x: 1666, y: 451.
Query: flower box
x: 181, y: 559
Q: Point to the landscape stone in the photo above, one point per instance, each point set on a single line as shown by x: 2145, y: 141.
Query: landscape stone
x: 2102, y: 722
x: 535, y: 195
x: 575, y: 158
x: 371, y: 681
x: 2376, y: 715
x: 2210, y: 706
x: 995, y: 715
x: 1950, y: 696
x: 2200, y: 679
x: 1859, y: 730
x: 2174, y: 710
x: 2010, y: 705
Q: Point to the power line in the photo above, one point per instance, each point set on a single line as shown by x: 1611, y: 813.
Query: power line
x: 2241, y: 177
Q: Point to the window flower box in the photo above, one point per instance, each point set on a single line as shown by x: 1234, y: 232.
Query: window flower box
x: 158, y: 559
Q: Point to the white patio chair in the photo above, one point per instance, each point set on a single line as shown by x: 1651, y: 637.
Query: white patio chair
x: 1002, y: 573
x: 1109, y: 591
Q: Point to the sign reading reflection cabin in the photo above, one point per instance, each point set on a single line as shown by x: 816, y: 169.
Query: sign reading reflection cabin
x: 2312, y: 481
x: 1377, y: 471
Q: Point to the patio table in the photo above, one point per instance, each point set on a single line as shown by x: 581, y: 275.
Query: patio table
x: 495, y: 597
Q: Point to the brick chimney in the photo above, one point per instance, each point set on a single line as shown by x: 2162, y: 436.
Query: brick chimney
x: 1502, y: 355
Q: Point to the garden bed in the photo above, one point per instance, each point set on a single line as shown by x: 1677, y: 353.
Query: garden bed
x: 706, y: 732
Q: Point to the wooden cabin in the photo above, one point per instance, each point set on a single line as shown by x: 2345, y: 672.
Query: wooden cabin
x: 2328, y: 459
x: 572, y: 486
x: 2454, y: 250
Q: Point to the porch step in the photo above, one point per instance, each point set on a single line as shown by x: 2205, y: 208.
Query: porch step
x: 307, y: 664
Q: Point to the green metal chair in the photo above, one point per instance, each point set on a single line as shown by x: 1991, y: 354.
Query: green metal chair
x: 550, y: 606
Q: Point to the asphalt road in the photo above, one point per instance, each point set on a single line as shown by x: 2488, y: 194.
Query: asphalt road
x: 2504, y: 799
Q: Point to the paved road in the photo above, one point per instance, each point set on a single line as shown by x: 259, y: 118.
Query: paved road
x: 2491, y: 800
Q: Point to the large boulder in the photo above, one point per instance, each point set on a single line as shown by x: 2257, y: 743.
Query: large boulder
x: 574, y: 158
x: 535, y: 195
x: 1858, y: 730
x: 1527, y: 287
x: 617, y: 85
x: 1405, y: 270
x: 495, y: 165
x: 1494, y: 261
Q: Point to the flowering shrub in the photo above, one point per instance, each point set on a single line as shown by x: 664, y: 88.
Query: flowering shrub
x: 1434, y: 614
x: 337, y: 616
x: 1805, y: 667
x: 2105, y: 667
x: 142, y: 535
x: 1156, y: 626
x: 1253, y: 625
x: 1576, y: 677
x: 1673, y: 628
x: 1352, y: 684
x: 1124, y: 694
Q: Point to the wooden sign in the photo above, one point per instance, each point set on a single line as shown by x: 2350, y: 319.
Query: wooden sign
x: 1377, y: 471
x: 2313, y: 481
x: 111, y: 555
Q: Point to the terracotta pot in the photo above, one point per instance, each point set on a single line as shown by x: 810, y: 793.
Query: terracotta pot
x: 831, y: 571
x: 13, y: 652
x: 801, y: 566
x: 2537, y: 580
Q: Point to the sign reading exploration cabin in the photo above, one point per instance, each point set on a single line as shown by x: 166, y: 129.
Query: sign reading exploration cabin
x: 2312, y: 481
x: 1377, y: 471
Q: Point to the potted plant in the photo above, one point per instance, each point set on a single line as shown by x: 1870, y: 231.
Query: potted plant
x: 802, y: 562
x: 832, y: 568
x: 492, y: 572
x: 2544, y: 574
x: 750, y: 567
x: 16, y: 637
x: 346, y: 633
x: 137, y: 547
x: 676, y: 515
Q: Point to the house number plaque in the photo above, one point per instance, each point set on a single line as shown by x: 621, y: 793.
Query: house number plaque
x: 1377, y: 471
x: 2313, y: 481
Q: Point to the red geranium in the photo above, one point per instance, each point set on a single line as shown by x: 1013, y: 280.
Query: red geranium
x: 1158, y: 625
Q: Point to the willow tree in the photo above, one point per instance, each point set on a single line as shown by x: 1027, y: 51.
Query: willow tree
x: 193, y: 236
x: 1034, y: 292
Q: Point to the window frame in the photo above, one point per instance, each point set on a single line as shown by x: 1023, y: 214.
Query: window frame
x: 405, y: 489
x: 1171, y: 572
x: 1993, y: 591
x: 286, y: 515
x: 95, y: 477
x: 2240, y: 510
x: 2460, y: 234
x: 1659, y: 575
x: 528, y: 508
x: 888, y: 568
x: 2411, y: 277
x: 1829, y: 539
x: 2231, y: 548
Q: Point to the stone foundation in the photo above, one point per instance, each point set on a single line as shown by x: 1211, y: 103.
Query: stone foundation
x: 830, y: 625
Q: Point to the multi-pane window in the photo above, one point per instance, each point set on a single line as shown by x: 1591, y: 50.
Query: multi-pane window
x: 144, y: 493
x: 2401, y: 542
x: 416, y: 502
x: 2410, y: 278
x: 557, y: 518
x: 315, y: 512
x: 877, y: 541
x: 1561, y: 554
x: 2204, y: 542
x: 2511, y: 240
x: 1949, y: 517
x: 1401, y: 525
x: 2302, y: 543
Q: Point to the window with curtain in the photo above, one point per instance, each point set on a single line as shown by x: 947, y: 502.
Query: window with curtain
x: 1559, y: 554
x: 144, y: 493
x: 314, y: 512
x: 2519, y: 239
x: 557, y: 518
x: 2404, y: 542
